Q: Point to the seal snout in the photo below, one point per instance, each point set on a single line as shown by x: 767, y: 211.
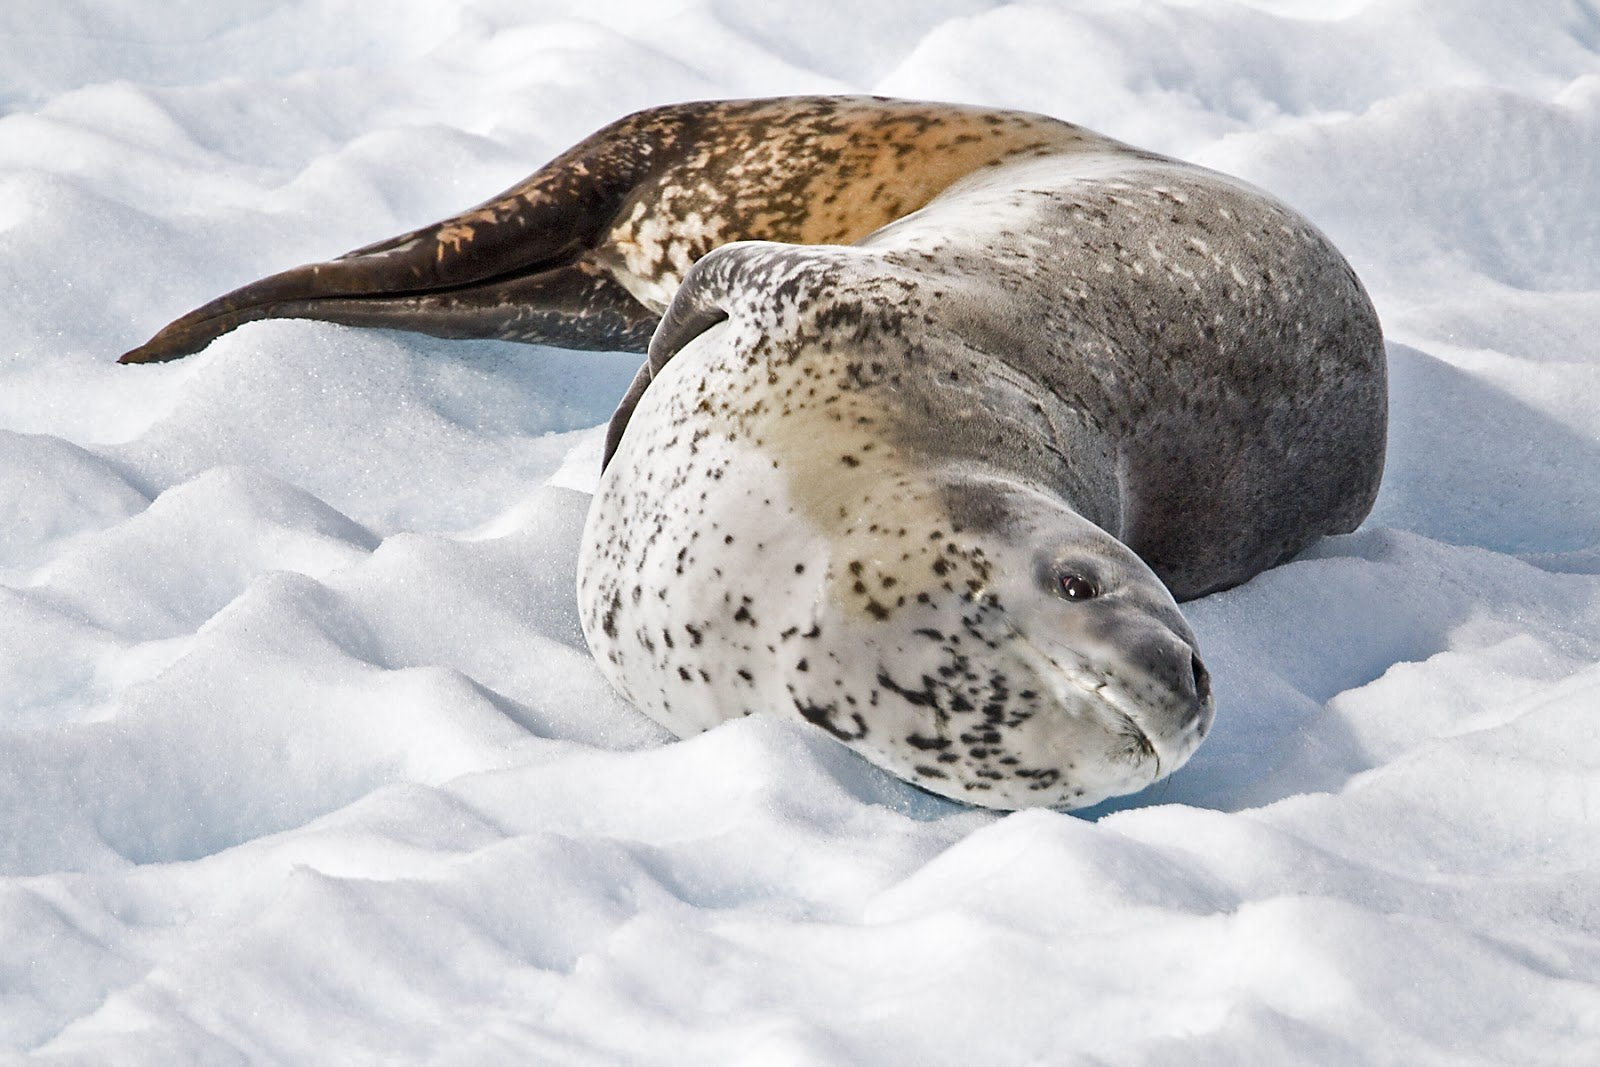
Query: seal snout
x: 1179, y: 688
x: 1202, y: 678
x: 1202, y: 710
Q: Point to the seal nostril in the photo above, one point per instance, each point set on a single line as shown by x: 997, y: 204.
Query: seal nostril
x: 1202, y: 680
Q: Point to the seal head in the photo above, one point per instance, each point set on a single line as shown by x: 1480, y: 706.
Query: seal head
x: 1036, y: 659
x: 978, y: 638
x: 1119, y: 697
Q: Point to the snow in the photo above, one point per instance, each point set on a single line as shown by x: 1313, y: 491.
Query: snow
x: 302, y: 756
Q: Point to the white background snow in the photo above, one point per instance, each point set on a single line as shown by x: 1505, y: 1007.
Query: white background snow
x: 302, y: 757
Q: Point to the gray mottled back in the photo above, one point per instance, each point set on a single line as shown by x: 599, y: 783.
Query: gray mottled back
x: 1187, y: 362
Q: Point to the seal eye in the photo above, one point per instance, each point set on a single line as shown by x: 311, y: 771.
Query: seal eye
x: 1077, y: 587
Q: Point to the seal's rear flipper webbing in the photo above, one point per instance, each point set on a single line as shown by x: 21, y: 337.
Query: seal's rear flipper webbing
x: 483, y: 273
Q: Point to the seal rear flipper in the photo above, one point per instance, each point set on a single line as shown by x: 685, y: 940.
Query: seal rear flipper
x: 434, y: 284
x: 482, y: 273
x: 576, y: 306
x: 641, y: 200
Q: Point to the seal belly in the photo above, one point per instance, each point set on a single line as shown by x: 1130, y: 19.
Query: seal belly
x: 697, y: 580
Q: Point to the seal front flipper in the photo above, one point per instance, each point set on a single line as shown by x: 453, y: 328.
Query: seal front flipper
x: 729, y: 276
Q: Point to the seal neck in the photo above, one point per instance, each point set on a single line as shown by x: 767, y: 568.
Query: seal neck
x: 1005, y: 429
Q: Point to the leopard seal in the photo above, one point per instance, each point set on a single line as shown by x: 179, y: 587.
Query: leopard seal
x: 944, y: 410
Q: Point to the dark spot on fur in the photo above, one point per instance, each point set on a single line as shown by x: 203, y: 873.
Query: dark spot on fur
x: 918, y: 698
x: 823, y: 717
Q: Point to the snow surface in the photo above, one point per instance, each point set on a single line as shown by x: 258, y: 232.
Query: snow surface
x: 302, y: 757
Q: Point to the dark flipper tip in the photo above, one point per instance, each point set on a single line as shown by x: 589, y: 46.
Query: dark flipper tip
x: 164, y: 347
x: 146, y: 354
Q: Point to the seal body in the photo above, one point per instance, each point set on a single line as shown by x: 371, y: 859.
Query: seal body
x: 859, y: 476
x: 946, y: 410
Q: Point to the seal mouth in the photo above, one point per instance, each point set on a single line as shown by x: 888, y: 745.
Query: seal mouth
x: 1140, y: 746
x: 1124, y: 719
